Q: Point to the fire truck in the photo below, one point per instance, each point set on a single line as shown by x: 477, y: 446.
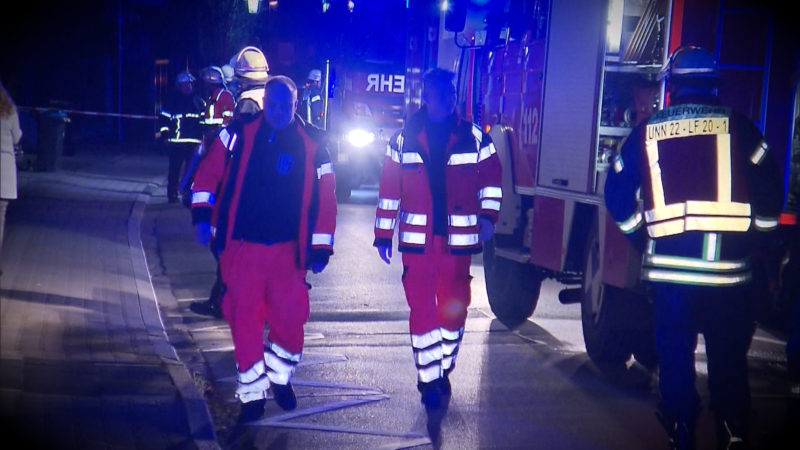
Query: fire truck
x: 558, y: 85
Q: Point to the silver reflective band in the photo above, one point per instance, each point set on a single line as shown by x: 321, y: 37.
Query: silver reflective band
x: 383, y: 223
x: 413, y: 218
x: 202, y: 197
x: 388, y: 204
x: 460, y: 240
x: 315, y: 98
x: 189, y: 140
x: 486, y: 152
x: 677, y: 226
x: 618, y: 165
x: 632, y: 224
x: 451, y: 335
x: 426, y: 340
x: 411, y: 158
x: 476, y: 131
x: 765, y: 223
x: 430, y: 373
x: 393, y: 154
x: 252, y: 374
x: 490, y: 204
x: 225, y: 137
x: 280, y: 371
x: 278, y: 350
x: 321, y: 239
x: 425, y: 357
x: 694, y: 263
x: 463, y: 221
x: 324, y: 169
x: 457, y: 159
x: 256, y: 390
x: 491, y: 191
x: 758, y: 156
x: 411, y: 237
x: 694, y: 278
x: 213, y: 121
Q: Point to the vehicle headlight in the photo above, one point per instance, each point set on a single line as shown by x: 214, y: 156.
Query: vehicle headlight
x: 360, y: 138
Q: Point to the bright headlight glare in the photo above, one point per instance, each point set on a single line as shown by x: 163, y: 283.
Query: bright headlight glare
x: 360, y: 138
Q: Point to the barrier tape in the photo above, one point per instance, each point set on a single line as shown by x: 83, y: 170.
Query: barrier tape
x: 88, y: 113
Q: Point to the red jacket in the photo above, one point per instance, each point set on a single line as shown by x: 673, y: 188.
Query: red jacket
x: 218, y: 183
x: 472, y: 187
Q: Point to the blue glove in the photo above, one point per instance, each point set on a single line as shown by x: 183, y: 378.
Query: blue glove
x: 202, y: 233
x: 385, y: 252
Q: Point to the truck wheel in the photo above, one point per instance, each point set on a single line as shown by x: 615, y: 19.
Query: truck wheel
x: 601, y: 306
x: 512, y: 287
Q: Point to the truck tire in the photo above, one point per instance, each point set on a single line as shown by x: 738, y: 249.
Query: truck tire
x: 512, y: 287
x: 601, y: 306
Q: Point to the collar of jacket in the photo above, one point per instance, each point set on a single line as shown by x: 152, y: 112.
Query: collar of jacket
x: 416, y: 127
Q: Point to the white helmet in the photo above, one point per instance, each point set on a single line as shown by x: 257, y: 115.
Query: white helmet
x: 250, y: 63
x: 212, y: 75
x: 315, y: 75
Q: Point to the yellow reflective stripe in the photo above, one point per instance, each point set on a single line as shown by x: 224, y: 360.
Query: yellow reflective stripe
x: 668, y: 228
x: 411, y: 158
x: 486, y: 152
x: 324, y: 169
x: 631, y: 224
x: 717, y: 223
x: 666, y: 212
x: 457, y: 159
x: 456, y: 220
x: 414, y: 218
x: 412, y: 237
x: 656, y: 185
x: 765, y: 223
x: 491, y: 191
x: 694, y: 278
x: 321, y: 239
x: 682, y: 262
x: 384, y: 223
x: 490, y: 204
x: 698, y: 207
x: 724, y: 168
x: 388, y: 204
x: 711, y: 246
x: 758, y: 156
x: 461, y: 240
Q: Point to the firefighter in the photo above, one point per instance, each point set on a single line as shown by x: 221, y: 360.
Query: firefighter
x: 220, y: 106
x: 312, y: 98
x: 441, y: 179
x: 273, y: 218
x: 180, y: 126
x: 251, y: 72
x: 710, y: 194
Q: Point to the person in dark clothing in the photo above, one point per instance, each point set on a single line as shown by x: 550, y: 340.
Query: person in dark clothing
x: 180, y: 127
x: 710, y: 195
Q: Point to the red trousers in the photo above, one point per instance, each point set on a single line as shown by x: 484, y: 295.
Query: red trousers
x: 437, y: 287
x: 264, y: 285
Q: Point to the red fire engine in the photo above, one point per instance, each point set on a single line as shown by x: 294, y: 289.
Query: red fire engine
x: 559, y: 85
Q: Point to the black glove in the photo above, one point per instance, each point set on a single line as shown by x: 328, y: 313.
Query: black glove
x: 317, y: 260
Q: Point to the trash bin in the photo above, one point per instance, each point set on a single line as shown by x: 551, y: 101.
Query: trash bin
x: 50, y: 142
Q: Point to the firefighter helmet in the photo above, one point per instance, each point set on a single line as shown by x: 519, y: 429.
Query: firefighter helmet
x: 315, y: 75
x: 184, y: 77
x: 692, y: 64
x: 212, y: 75
x: 251, y: 64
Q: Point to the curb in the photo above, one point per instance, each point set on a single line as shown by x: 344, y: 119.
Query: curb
x: 198, y: 416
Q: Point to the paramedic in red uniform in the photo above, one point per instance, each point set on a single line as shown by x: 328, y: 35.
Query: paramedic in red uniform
x: 710, y: 195
x: 441, y: 181
x: 273, y: 219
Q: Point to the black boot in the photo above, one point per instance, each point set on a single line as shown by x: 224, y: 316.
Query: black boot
x: 681, y: 434
x: 433, y: 392
x: 284, y: 396
x: 208, y: 307
x: 251, y: 411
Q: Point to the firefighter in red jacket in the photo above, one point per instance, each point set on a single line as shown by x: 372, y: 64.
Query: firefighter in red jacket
x: 710, y: 195
x: 441, y: 181
x: 273, y: 219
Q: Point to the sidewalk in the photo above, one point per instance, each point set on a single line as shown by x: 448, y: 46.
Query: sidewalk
x: 85, y: 355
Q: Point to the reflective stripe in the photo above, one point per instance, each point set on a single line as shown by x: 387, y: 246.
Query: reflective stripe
x: 468, y: 220
x: 282, y: 353
x: 280, y: 371
x: 697, y: 207
x: 202, y: 197
x: 765, y: 223
x: 256, y: 390
x: 233, y: 142
x: 315, y: 98
x: 213, y: 121
x: 252, y: 374
x: 711, y: 246
x: 680, y: 262
x: 393, y: 154
x: 461, y: 240
x: 411, y: 237
x: 430, y: 373
x: 486, y: 152
x: 476, y: 131
x: 694, y: 278
x: 400, y: 142
x: 227, y: 114
x: 324, y: 169
x: 656, y: 185
x: 187, y: 140
x: 618, y: 165
x: 631, y: 224
x: 490, y: 204
x: 322, y: 239
x: 411, y: 158
x: 225, y: 137
x: 677, y: 226
x: 388, y: 204
x: 452, y: 335
x: 413, y: 218
x: 724, y: 175
x: 425, y: 340
x: 425, y: 357
x: 457, y: 159
x: 491, y: 191
x: 758, y: 156
x: 383, y: 223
